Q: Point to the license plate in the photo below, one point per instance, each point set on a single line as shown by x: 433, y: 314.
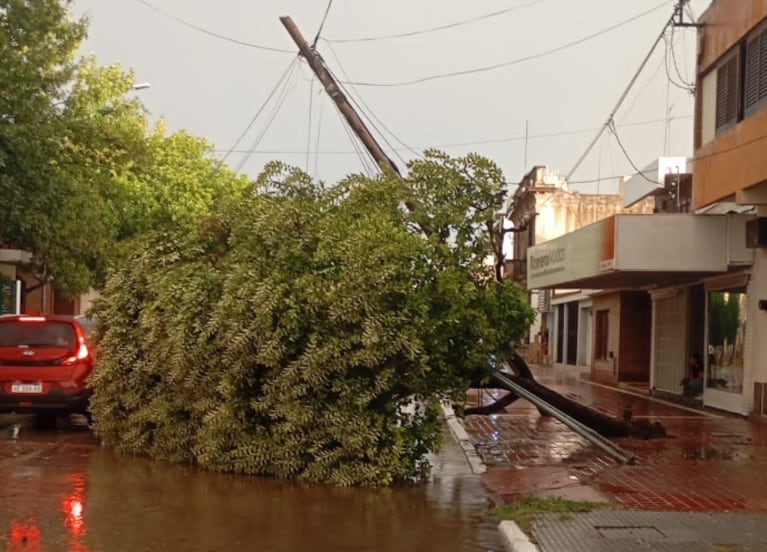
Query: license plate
x: 26, y: 388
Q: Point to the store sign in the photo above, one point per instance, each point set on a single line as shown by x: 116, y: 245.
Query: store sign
x: 547, y: 262
x: 580, y: 254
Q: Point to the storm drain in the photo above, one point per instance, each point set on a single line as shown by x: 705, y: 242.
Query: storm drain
x: 642, y: 534
x: 610, y: 531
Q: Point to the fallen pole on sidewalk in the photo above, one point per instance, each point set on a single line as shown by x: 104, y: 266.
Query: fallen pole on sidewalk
x: 584, y: 431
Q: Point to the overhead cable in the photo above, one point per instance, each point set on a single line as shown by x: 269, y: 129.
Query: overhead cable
x: 286, y: 88
x: 694, y: 160
x: 626, y: 153
x: 478, y: 142
x: 671, y: 53
x: 641, y: 90
x: 322, y: 24
x: 317, y: 141
x: 212, y: 33
x: 367, y: 110
x: 363, y: 154
x: 513, y: 61
x: 438, y: 28
x: 309, y: 126
x: 611, y: 116
x: 253, y: 119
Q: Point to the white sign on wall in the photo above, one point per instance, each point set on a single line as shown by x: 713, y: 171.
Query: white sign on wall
x: 580, y: 254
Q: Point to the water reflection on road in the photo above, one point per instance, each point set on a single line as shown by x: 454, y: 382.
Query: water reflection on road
x: 64, y: 492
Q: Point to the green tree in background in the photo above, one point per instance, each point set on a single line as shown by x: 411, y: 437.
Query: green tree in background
x: 80, y: 170
x: 724, y: 317
x: 289, y: 332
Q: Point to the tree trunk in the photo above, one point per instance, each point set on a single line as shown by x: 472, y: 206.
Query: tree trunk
x: 497, y: 406
x: 606, y: 426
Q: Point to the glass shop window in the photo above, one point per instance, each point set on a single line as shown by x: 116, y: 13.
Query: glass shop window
x: 726, y: 333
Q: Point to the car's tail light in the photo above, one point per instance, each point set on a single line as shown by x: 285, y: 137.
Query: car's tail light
x: 82, y: 354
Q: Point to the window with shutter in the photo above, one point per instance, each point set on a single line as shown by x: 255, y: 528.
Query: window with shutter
x: 755, y: 77
x: 727, y: 92
x: 721, y: 96
x: 763, y: 65
x: 751, y: 95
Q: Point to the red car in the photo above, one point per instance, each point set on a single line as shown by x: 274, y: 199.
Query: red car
x: 44, y: 364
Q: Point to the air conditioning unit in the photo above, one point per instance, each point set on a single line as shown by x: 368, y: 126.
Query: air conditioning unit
x: 756, y: 233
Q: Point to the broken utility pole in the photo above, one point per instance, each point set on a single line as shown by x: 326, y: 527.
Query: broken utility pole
x: 317, y: 64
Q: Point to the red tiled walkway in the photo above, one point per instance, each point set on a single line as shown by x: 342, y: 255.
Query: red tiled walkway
x: 706, y: 463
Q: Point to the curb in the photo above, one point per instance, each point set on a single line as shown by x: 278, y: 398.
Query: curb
x: 459, y: 433
x: 515, y: 539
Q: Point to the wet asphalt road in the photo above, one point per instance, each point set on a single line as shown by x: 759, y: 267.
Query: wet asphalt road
x: 62, y: 491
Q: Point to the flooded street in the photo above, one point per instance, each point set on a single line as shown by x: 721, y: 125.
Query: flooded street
x: 64, y: 492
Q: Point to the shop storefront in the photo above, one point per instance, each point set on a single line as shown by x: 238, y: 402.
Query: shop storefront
x: 673, y: 287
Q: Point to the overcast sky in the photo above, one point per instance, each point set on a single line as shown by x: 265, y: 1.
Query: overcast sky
x: 213, y: 87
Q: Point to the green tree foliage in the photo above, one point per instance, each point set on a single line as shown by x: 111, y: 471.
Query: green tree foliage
x: 80, y: 170
x: 287, y: 333
x: 724, y: 317
x: 37, y: 41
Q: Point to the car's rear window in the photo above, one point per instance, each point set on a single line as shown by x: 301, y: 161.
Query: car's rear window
x: 37, y: 334
x: 86, y: 324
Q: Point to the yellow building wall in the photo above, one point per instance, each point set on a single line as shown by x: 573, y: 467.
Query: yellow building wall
x: 735, y: 159
x: 732, y: 162
x: 726, y: 22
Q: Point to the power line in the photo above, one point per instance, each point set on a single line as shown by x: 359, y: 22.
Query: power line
x: 639, y: 92
x: 253, y: 119
x: 626, y: 153
x: 322, y: 24
x: 370, y: 169
x: 317, y: 141
x: 685, y: 83
x: 286, y: 88
x: 368, y: 110
x: 368, y: 119
x: 694, y: 160
x: 624, y: 95
x: 667, y: 61
x: 212, y: 33
x: 600, y: 179
x: 438, y: 28
x: 689, y: 11
x: 475, y: 143
x: 554, y: 134
x: 309, y: 125
x: 513, y: 61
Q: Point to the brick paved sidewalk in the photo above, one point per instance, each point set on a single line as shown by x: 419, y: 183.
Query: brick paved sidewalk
x: 708, y: 462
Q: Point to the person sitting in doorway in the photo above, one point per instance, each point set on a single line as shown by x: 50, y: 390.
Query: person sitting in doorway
x: 693, y: 385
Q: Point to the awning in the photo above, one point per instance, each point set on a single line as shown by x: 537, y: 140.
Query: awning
x: 634, y: 251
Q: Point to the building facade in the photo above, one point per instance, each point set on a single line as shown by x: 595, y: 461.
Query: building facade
x: 688, y: 284
x: 730, y: 173
x: 21, y: 292
x: 543, y: 208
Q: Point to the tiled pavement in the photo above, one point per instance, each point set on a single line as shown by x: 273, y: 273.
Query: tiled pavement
x: 708, y: 461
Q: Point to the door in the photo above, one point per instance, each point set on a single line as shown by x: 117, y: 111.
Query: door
x: 584, y: 337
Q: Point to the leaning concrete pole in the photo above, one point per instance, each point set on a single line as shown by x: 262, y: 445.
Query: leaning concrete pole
x: 317, y: 65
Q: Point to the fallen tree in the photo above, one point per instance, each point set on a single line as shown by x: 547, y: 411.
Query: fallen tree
x: 288, y: 333
x: 603, y: 424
